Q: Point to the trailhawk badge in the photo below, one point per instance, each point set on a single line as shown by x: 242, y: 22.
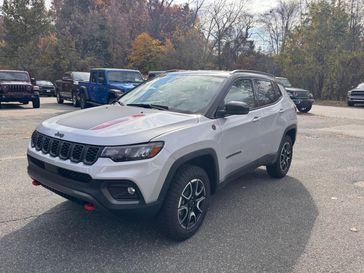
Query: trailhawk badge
x: 58, y: 134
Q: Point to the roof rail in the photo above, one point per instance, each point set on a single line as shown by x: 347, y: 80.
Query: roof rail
x: 251, y: 71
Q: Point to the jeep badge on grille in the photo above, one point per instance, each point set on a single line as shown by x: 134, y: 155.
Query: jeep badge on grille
x: 58, y: 134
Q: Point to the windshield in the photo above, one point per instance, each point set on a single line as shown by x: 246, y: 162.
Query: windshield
x: 181, y: 93
x: 125, y: 76
x: 14, y: 76
x: 41, y: 83
x: 81, y: 76
x: 284, y: 81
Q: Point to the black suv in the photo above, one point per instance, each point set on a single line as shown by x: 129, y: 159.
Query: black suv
x: 301, y: 97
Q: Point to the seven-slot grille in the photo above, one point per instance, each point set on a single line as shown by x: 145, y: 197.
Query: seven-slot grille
x: 76, y: 152
x: 18, y: 88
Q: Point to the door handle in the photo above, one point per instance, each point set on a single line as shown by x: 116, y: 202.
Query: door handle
x: 282, y: 110
x: 255, y: 119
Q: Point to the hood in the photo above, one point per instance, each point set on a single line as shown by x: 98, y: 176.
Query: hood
x: 115, y: 125
x: 124, y: 86
x: 291, y: 89
x: 15, y: 83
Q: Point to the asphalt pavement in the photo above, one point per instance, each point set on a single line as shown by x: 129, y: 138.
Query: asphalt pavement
x: 310, y: 221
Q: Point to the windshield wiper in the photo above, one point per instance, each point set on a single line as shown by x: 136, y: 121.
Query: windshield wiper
x: 150, y: 106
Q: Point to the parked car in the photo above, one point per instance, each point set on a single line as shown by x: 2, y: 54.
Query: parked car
x: 107, y: 84
x: 167, y: 145
x: 356, y: 95
x: 16, y: 86
x: 68, y: 87
x: 46, y: 88
x: 301, y: 97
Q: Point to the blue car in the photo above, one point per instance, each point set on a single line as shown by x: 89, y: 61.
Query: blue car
x: 107, y: 84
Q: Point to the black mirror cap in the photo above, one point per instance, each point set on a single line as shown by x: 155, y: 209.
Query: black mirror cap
x: 233, y: 108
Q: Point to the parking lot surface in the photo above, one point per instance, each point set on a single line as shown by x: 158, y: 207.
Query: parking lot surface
x: 310, y: 221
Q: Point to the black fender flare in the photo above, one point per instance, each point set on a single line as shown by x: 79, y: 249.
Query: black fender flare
x: 184, y: 160
x: 83, y: 90
x: 115, y: 94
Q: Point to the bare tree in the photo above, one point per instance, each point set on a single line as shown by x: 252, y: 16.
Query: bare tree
x: 222, y: 18
x: 278, y: 23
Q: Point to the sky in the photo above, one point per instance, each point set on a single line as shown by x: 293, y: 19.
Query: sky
x: 255, y: 6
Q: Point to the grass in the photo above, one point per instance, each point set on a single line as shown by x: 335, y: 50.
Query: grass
x: 331, y: 103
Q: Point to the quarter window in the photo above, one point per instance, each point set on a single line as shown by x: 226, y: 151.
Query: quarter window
x: 242, y: 90
x: 266, y: 93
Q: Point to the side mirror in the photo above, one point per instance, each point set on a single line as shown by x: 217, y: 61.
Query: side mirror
x: 33, y: 81
x: 233, y: 108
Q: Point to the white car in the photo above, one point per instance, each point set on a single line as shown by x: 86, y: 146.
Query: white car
x: 168, y: 145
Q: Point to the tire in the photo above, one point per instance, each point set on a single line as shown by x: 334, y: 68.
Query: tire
x: 305, y: 109
x: 75, y: 101
x: 350, y: 104
x: 280, y: 168
x: 59, y: 98
x: 36, y: 102
x: 182, y: 214
x: 83, y: 101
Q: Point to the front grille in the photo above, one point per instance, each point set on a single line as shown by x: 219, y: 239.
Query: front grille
x: 357, y: 93
x: 76, y: 152
x: 18, y: 88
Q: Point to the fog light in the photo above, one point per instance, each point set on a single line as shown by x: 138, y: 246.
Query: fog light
x: 131, y: 190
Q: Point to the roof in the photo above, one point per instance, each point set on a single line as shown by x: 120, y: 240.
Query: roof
x: 18, y: 71
x: 115, y: 69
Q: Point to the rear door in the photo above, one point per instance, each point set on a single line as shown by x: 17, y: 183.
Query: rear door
x: 269, y: 114
x: 92, y: 88
x: 238, y: 141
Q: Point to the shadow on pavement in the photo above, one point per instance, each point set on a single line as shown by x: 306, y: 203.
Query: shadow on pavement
x: 255, y: 224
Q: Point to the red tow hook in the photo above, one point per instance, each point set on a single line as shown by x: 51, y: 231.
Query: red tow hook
x: 36, y: 183
x: 89, y: 207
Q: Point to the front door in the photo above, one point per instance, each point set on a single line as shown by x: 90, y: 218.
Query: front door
x: 240, y: 133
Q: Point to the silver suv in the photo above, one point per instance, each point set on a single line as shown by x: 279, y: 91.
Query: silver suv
x: 168, y: 145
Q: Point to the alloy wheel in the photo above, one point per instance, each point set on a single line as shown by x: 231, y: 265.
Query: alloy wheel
x: 285, y: 156
x: 190, y: 205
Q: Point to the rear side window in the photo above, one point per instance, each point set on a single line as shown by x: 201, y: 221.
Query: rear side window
x: 93, y: 76
x: 266, y: 92
x: 241, y: 90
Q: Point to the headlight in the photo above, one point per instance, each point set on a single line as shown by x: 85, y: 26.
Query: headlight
x: 310, y: 95
x: 132, y: 152
x: 349, y: 93
x: 35, y: 88
x: 29, y: 88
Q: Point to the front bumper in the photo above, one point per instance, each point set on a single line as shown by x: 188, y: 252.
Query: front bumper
x: 81, y: 188
x: 355, y: 99
x: 18, y: 97
x: 303, y: 102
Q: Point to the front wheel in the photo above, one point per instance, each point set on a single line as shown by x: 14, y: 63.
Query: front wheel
x: 36, y: 102
x: 281, y: 166
x: 350, y: 104
x: 304, y: 109
x: 186, y: 203
x: 83, y: 101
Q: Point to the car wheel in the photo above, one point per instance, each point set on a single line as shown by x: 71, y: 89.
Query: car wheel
x: 281, y: 166
x: 59, y: 98
x: 305, y: 109
x: 350, y: 104
x: 36, y: 102
x: 186, y: 203
x: 75, y: 101
x: 83, y: 101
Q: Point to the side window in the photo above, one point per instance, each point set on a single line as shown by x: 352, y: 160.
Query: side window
x: 266, y: 92
x: 242, y: 90
x: 93, y: 76
x: 101, y: 77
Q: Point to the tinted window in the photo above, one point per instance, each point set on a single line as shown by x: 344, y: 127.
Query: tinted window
x: 125, y: 76
x: 101, y: 77
x: 81, y: 76
x: 93, y: 76
x: 181, y: 93
x: 242, y: 90
x: 266, y: 92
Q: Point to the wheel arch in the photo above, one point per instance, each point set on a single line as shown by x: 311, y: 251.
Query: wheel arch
x: 291, y: 131
x: 205, y: 159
